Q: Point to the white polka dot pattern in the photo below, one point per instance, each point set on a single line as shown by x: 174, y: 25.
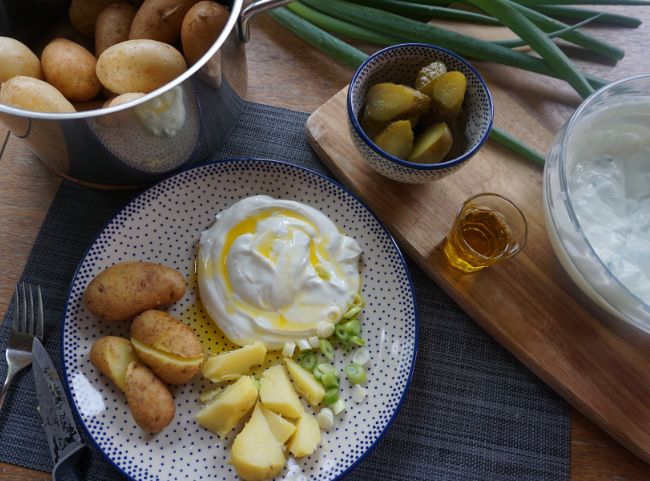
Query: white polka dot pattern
x: 163, y: 225
x: 400, y: 64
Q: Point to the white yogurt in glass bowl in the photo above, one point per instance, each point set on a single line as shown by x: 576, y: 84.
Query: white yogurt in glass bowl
x: 597, y: 199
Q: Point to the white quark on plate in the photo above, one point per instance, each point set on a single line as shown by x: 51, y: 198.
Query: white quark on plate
x: 609, y: 185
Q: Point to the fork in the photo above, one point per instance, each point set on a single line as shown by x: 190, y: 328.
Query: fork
x: 27, y: 323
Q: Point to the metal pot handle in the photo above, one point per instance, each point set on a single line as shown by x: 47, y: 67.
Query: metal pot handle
x: 252, y: 10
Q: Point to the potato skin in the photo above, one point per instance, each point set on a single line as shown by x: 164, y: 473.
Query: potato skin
x: 71, y: 69
x: 201, y: 26
x: 151, y: 403
x: 33, y: 94
x: 126, y: 289
x: 122, y: 99
x: 113, y: 25
x: 160, y: 20
x: 112, y: 355
x: 17, y: 59
x: 167, y: 346
x: 83, y: 14
x: 139, y: 66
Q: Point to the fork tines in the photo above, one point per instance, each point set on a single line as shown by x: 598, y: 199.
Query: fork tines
x: 28, y: 318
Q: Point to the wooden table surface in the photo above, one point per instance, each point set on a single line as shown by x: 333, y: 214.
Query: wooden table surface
x: 286, y: 72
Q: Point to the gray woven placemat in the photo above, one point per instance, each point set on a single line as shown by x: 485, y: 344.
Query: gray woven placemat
x: 473, y: 412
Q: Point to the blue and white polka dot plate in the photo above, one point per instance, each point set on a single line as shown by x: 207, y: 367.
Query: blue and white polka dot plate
x: 163, y: 225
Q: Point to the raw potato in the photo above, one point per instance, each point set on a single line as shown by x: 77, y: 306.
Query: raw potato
x: 277, y: 393
x: 201, y: 26
x: 233, y: 364
x: 280, y: 427
x: 83, y: 14
x: 388, y: 101
x: 112, y: 355
x: 307, y: 436
x: 113, y: 25
x: 229, y: 407
x: 448, y: 95
x: 306, y: 384
x: 122, y: 99
x: 159, y: 20
x: 33, y: 94
x: 396, y: 139
x: 432, y: 145
x: 256, y: 454
x: 167, y: 346
x: 17, y: 59
x: 151, y: 403
x: 139, y: 66
x: 126, y: 289
x: 70, y: 68
x: 427, y: 76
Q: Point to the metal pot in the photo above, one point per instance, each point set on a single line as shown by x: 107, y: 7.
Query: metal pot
x: 140, y: 141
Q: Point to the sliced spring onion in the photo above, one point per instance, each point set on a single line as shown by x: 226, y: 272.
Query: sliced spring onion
x: 325, y: 367
x: 288, y: 349
x: 509, y: 141
x: 308, y: 360
x: 330, y: 380
x: 359, y: 300
x: 361, y: 357
x: 352, y: 327
x: 355, y: 373
x: 303, y: 345
x: 314, y: 342
x: 357, y: 341
x: 507, y: 12
x: 358, y: 394
x: 352, y: 312
x: 317, y: 374
x: 324, y: 329
x: 325, y: 418
x: 326, y: 349
x: 338, y: 407
x: 340, y: 333
x: 331, y: 396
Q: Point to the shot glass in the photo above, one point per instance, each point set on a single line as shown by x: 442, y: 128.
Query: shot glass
x: 488, y: 229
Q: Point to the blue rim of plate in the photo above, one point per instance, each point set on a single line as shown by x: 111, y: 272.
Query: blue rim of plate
x: 416, y: 314
x: 352, y: 116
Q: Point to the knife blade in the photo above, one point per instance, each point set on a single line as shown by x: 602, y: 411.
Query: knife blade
x: 58, y: 422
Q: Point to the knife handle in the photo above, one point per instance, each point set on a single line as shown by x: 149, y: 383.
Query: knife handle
x: 69, y: 467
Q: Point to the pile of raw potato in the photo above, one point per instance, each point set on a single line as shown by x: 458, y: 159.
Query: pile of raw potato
x: 162, y: 350
x: 134, y: 53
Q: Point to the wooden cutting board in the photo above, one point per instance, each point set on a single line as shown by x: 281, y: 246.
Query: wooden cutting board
x: 528, y: 303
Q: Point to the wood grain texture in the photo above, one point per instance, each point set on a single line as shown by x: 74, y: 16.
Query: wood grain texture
x: 285, y: 72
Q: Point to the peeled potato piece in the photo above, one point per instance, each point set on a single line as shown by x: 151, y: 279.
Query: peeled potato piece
x: 448, y: 95
x: 233, y: 364
x: 396, y: 139
x: 427, y: 76
x: 389, y: 101
x: 307, y: 436
x: 432, y: 145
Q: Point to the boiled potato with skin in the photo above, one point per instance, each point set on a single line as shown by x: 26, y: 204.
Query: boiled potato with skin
x: 307, y: 436
x: 150, y: 402
x: 71, y: 69
x: 127, y: 289
x: 277, y: 393
x: 396, y: 139
x: 280, y: 427
x: 388, y: 101
x: 160, y: 20
x: 306, y: 384
x: 112, y: 355
x: 139, y: 66
x: 448, y: 95
x: 17, y: 59
x: 256, y: 454
x: 113, y: 25
x: 167, y: 346
x: 229, y: 407
x: 29, y: 93
x: 233, y: 364
x: 122, y: 99
x: 83, y: 14
x: 201, y: 26
x: 432, y: 145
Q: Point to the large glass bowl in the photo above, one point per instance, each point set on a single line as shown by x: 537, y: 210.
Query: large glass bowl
x: 573, y: 249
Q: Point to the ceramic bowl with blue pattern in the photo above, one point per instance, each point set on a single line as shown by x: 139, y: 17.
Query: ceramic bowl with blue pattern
x: 400, y: 64
x: 163, y: 225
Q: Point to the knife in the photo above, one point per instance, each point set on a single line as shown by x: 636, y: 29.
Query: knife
x: 65, y: 443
